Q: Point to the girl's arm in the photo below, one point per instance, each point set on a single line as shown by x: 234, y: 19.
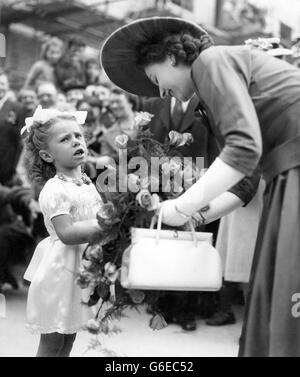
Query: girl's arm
x: 77, y: 233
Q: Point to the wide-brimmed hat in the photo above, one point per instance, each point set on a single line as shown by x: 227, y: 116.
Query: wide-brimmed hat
x: 119, y: 53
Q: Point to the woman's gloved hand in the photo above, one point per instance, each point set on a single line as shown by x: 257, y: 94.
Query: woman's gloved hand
x: 171, y: 215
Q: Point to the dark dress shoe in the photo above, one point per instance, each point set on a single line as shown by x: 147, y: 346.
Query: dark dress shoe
x: 170, y: 319
x: 187, y: 323
x: 10, y: 279
x: 221, y: 319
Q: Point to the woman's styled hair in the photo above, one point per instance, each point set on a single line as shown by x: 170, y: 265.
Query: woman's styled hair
x: 38, y: 170
x: 184, y: 46
x: 54, y: 41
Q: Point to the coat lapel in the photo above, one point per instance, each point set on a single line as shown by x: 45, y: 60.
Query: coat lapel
x: 165, y: 114
x: 189, y: 115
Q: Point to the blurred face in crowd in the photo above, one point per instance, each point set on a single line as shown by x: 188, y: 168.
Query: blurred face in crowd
x: 84, y: 106
x: 28, y: 99
x: 90, y: 90
x: 120, y: 106
x: 47, y: 95
x: 62, y: 103
x: 4, y: 85
x: 61, y: 99
x: 75, y: 95
x: 102, y: 92
x: 172, y: 78
x: 76, y: 52
x: 92, y: 71
x: 54, y: 53
x: 90, y: 123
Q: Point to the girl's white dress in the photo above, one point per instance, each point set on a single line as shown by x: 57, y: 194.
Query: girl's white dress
x: 54, y: 301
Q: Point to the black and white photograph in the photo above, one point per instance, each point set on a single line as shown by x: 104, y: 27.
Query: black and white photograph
x: 149, y: 181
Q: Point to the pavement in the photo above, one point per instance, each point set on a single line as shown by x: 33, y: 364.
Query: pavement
x: 136, y: 338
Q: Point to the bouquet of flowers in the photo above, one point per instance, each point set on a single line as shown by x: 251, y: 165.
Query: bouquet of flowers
x: 134, y: 206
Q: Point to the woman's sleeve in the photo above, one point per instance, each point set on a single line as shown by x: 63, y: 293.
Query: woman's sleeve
x: 247, y: 187
x: 223, y: 86
x: 54, y: 201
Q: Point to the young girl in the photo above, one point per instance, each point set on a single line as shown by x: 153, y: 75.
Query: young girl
x: 56, y: 151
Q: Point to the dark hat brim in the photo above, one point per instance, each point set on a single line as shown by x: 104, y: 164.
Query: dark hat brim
x: 119, y: 51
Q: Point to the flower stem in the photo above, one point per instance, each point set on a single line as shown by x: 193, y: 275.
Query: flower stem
x: 98, y: 312
x: 84, y: 251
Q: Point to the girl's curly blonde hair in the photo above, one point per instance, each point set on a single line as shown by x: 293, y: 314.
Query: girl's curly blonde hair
x: 38, y: 170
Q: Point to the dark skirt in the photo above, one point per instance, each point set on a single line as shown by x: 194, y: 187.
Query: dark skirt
x: 272, y: 318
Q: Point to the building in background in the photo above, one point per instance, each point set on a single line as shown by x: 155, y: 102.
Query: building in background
x: 283, y: 18
x: 279, y: 18
x: 119, y: 8
x: 26, y: 24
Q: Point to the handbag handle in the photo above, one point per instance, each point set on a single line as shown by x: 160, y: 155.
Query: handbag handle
x: 159, y: 224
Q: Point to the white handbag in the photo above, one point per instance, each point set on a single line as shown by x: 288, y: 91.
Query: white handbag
x: 171, y: 260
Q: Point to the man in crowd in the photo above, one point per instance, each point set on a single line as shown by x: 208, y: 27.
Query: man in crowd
x: 16, y: 242
x: 71, y: 67
x: 15, y: 200
x: 121, y: 108
x: 28, y: 98
x: 12, y: 118
x: 47, y: 95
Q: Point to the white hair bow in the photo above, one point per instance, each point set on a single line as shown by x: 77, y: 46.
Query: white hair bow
x: 44, y: 115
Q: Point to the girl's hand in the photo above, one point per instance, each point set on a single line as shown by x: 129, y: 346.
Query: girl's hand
x: 170, y: 215
x: 96, y: 232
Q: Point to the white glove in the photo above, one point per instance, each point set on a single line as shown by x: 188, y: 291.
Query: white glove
x: 219, y: 178
x: 170, y: 216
